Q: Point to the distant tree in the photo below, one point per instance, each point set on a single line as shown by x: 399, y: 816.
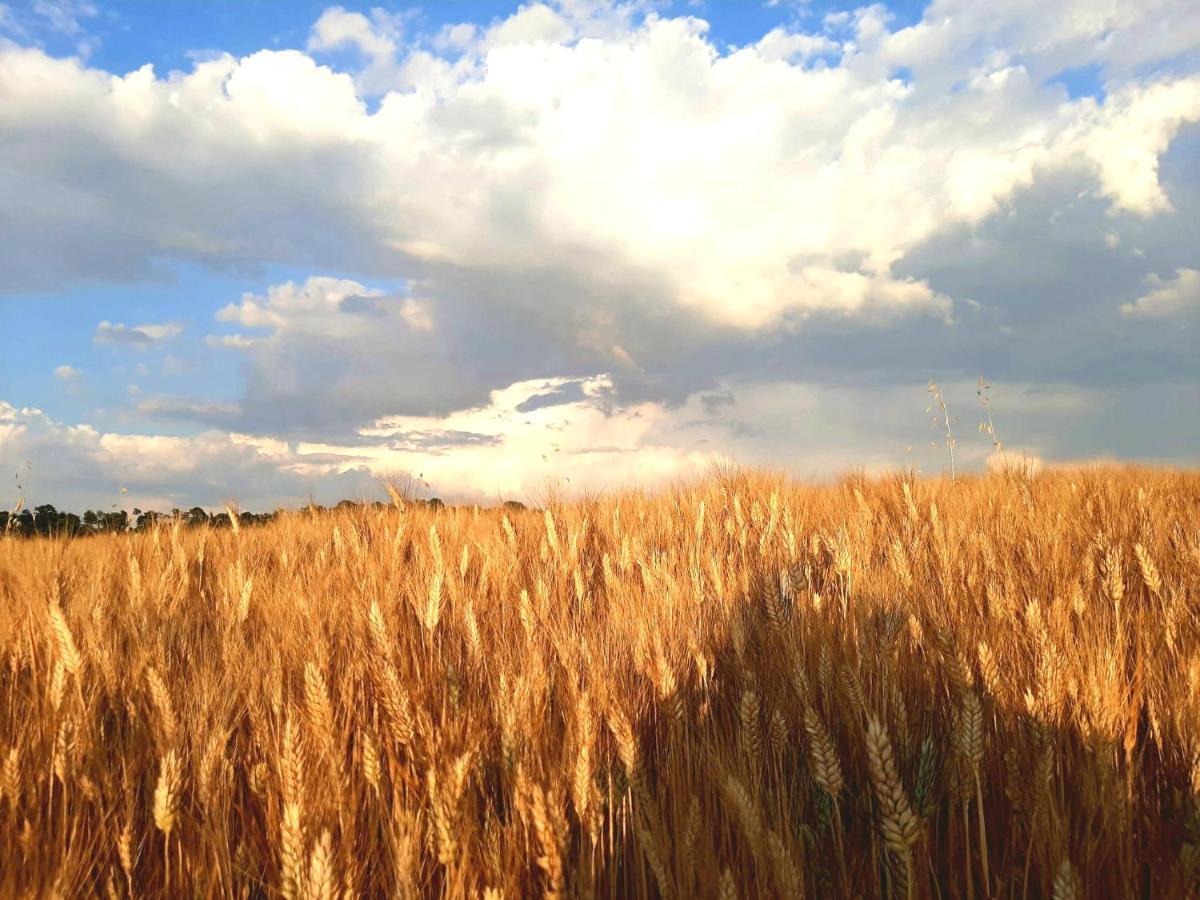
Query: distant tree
x: 148, y: 519
x: 45, y: 517
x: 49, y: 521
x: 115, y: 521
x: 514, y: 505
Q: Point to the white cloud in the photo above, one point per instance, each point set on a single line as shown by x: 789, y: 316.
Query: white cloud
x: 498, y: 449
x: 68, y: 373
x: 1168, y: 297
x: 231, y: 341
x: 329, y: 309
x: 377, y: 38
x: 1126, y: 137
x: 781, y: 44
x: 139, y: 336
x: 1045, y: 38
x: 77, y: 466
x: 333, y: 350
x: 456, y: 37
x: 336, y: 28
x: 628, y: 149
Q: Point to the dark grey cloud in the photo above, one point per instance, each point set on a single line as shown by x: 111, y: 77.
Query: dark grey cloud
x: 717, y: 400
x: 441, y: 440
x: 1037, y: 292
x: 168, y: 407
x: 570, y: 392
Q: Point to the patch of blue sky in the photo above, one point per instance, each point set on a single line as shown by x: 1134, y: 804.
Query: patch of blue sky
x: 51, y: 331
x: 172, y: 35
x: 1081, y: 81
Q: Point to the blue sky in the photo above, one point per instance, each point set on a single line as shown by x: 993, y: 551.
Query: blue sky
x: 168, y: 35
x: 586, y: 242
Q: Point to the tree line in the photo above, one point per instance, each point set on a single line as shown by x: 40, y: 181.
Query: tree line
x: 46, y: 520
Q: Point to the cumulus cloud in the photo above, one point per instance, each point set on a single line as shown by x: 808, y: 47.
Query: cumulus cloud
x: 67, y: 373
x: 323, y: 305
x: 377, y: 38
x: 139, y: 336
x: 1168, y: 298
x: 332, y: 353
x: 740, y: 182
x: 79, y: 466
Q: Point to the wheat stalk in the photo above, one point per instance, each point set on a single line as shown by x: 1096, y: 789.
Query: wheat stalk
x: 160, y: 696
x: 166, y: 792
x: 899, y: 824
x: 68, y: 652
x: 826, y: 768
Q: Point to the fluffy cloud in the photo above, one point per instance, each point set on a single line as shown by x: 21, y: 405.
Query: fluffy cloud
x: 77, y: 466
x: 317, y: 307
x: 67, y: 373
x: 377, y: 38
x: 1168, y: 297
x: 139, y: 336
x: 332, y: 353
x: 751, y: 187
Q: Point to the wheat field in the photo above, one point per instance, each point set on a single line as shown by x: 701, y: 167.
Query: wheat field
x: 738, y: 687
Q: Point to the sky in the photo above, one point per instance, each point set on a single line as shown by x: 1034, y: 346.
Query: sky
x: 272, y: 252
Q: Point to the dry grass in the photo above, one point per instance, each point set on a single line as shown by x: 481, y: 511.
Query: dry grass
x: 739, y: 688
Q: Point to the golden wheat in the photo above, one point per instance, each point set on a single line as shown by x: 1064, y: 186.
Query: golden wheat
x: 741, y: 686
